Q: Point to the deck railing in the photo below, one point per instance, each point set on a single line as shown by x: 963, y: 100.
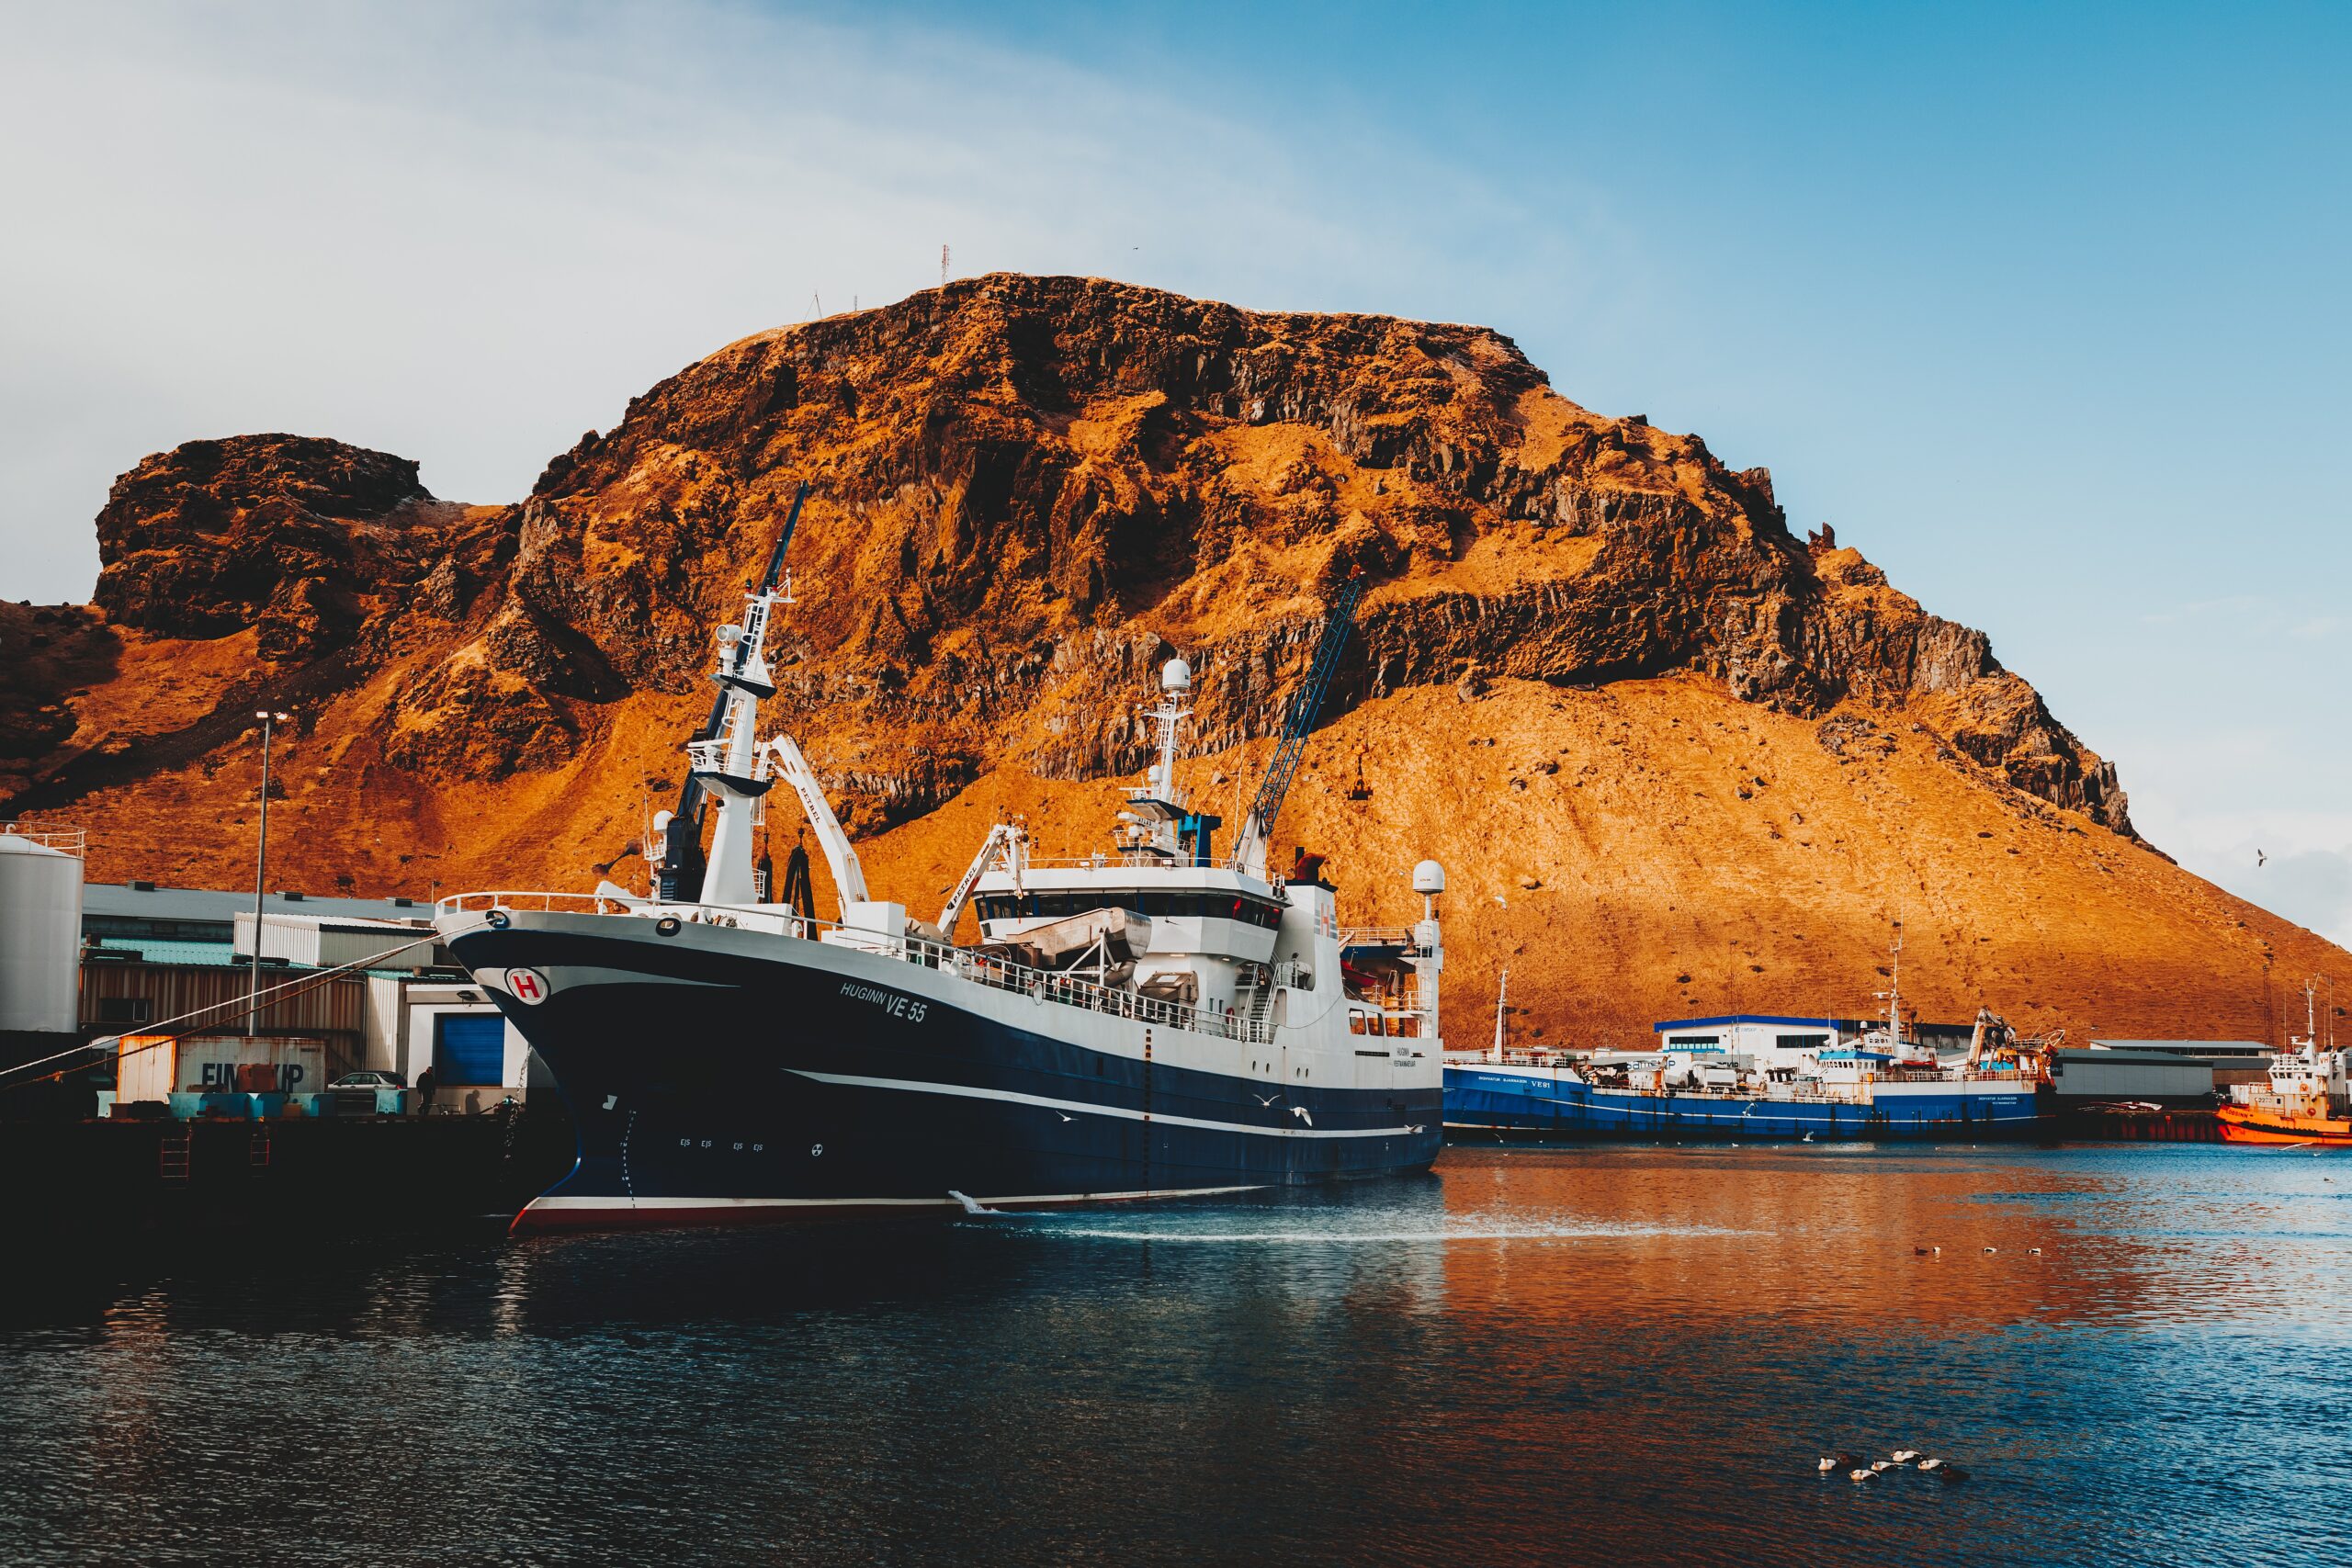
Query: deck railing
x: 1561, y: 1061
x: 66, y: 841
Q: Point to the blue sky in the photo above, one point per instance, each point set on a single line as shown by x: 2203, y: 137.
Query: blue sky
x: 2042, y: 306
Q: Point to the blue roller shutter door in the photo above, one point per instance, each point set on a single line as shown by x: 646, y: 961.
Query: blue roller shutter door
x: 469, y: 1048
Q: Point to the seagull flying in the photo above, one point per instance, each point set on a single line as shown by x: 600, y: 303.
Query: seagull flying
x: 1300, y: 1111
x: 2260, y: 860
x: 1265, y: 1099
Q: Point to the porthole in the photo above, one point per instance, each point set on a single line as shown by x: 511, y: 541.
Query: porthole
x: 497, y: 920
x: 668, y: 925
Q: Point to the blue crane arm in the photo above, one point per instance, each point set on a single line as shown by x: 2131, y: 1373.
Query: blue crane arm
x: 1304, y: 708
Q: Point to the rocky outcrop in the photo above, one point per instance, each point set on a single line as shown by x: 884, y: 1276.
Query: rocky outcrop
x: 217, y: 536
x: 1029, y: 491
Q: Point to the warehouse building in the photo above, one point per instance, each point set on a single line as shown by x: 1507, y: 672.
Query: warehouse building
x: 151, y: 954
x: 2173, y: 1074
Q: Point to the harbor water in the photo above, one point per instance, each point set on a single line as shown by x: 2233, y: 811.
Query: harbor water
x: 1616, y: 1354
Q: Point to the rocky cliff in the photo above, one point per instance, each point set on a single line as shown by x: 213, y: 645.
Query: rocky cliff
x: 1027, y: 492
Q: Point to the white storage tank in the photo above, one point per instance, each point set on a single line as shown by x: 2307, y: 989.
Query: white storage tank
x: 41, y: 930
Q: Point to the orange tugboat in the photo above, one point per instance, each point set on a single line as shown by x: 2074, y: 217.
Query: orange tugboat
x: 2307, y: 1100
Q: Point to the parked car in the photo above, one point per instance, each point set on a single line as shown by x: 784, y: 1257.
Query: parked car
x: 372, y: 1079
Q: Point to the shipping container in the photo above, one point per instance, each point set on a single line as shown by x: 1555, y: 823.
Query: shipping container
x: 156, y: 1067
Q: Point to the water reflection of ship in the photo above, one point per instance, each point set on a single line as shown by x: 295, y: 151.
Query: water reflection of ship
x: 2307, y: 1098
x: 1756, y: 1076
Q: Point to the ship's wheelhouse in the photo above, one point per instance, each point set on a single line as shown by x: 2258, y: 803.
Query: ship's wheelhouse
x: 1011, y: 910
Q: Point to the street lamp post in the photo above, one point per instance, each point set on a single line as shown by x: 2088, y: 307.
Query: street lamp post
x: 261, y: 867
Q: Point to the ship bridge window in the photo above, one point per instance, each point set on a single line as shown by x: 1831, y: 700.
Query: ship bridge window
x: 1802, y: 1042
x: 1179, y: 905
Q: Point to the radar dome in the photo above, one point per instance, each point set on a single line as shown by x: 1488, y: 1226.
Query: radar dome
x: 1175, y: 676
x: 1429, y: 877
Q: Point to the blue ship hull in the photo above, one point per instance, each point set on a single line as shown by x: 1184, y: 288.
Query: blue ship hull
x: 1481, y: 1102
x: 812, y: 1081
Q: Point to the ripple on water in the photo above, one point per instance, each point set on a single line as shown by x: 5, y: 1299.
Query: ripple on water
x: 1605, y: 1354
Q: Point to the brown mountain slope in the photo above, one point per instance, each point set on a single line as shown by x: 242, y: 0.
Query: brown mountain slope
x: 1029, y: 491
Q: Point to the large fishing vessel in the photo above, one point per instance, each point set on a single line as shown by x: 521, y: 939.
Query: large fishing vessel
x: 2307, y: 1100
x: 1752, y: 1077
x: 1149, y: 1021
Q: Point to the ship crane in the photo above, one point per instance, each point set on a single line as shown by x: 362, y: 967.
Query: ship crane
x: 1257, y: 826
x: 780, y: 756
x: 1008, y: 839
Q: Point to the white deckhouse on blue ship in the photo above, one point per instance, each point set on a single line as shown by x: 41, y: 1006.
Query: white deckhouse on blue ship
x: 1147, y: 1022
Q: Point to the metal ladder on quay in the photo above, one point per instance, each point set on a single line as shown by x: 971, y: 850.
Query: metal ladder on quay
x: 172, y: 1155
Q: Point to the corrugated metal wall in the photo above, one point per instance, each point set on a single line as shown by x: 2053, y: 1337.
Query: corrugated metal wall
x: 335, y: 1009
x: 2097, y: 1075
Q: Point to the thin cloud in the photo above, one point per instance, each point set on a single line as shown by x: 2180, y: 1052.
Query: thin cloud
x: 465, y: 234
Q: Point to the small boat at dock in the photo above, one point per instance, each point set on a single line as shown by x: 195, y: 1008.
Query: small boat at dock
x: 2307, y: 1098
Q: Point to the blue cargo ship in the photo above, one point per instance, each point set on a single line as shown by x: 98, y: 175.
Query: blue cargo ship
x: 1748, y: 1077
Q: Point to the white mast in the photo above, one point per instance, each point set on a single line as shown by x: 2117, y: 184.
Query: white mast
x: 1161, y: 803
x: 1501, y: 990
x: 726, y: 766
x: 1893, y: 994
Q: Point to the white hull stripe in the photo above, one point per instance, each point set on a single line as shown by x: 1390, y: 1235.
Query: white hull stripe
x: 619, y: 1205
x: 1081, y: 1107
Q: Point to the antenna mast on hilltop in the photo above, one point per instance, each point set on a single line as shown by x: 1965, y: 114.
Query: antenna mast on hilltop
x: 942, y: 266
